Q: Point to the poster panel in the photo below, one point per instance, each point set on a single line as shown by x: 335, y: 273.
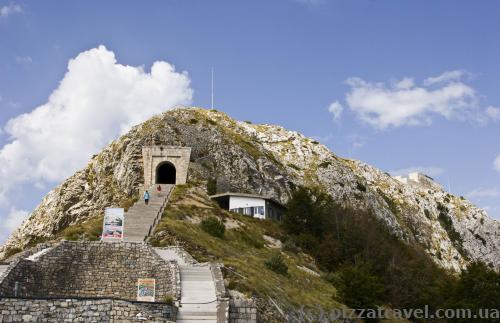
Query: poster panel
x: 145, y: 290
x: 112, y: 228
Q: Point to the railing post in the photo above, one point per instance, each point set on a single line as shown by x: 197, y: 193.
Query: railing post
x: 16, y: 289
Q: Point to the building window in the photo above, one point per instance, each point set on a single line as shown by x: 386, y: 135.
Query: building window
x: 259, y: 210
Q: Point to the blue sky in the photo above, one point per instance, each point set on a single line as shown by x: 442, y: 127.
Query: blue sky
x: 410, y: 84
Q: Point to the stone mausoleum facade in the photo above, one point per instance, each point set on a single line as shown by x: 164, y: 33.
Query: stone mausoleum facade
x: 165, y: 164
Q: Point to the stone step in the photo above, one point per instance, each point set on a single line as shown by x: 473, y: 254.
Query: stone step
x: 3, y: 268
x: 170, y: 254
x: 140, y: 217
x: 210, y: 307
x: 197, y: 315
x: 199, y: 274
x: 197, y: 279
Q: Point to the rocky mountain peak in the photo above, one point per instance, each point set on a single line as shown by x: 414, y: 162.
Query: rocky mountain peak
x: 268, y: 160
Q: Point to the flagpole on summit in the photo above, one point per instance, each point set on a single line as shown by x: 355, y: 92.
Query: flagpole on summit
x: 212, y: 88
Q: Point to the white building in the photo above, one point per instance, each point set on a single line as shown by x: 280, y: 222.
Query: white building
x: 256, y: 206
x: 419, y: 179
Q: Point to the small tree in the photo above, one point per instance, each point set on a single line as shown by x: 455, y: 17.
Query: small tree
x: 213, y: 226
x: 359, y: 287
x: 277, y: 264
x: 478, y: 287
x: 306, y: 211
x: 212, y: 186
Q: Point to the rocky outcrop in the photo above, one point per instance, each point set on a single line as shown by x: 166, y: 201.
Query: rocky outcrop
x: 269, y: 160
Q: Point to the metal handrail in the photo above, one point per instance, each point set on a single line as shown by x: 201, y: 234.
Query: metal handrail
x: 158, y: 215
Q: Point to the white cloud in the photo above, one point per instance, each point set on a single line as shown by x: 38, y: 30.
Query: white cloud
x: 405, y: 84
x: 10, y: 9
x: 404, y: 103
x: 492, y: 113
x: 24, y: 59
x: 357, y: 141
x: 14, y: 218
x: 427, y: 170
x: 496, y: 164
x: 446, y: 77
x: 484, y: 192
x: 97, y: 100
x: 336, y: 109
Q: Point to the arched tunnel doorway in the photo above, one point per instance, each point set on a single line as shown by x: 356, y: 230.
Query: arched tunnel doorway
x: 165, y: 173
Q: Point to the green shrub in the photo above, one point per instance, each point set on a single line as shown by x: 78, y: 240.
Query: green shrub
x: 277, y: 264
x: 90, y: 230
x: 478, y: 287
x: 193, y: 121
x: 427, y: 214
x: 290, y: 246
x: 390, y: 202
x: 212, y: 186
x: 250, y: 238
x: 342, y: 238
x: 325, y: 164
x: 168, y: 299
x: 213, y: 226
x: 359, y: 287
x: 307, y: 211
x: 127, y: 203
x: 454, y: 235
x: 360, y: 186
x: 12, y: 251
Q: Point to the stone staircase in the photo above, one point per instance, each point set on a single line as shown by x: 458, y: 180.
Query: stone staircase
x: 3, y: 268
x: 199, y: 302
x: 141, y: 219
x: 198, y: 297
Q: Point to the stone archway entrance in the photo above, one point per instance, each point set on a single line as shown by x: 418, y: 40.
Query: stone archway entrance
x: 165, y: 164
x: 165, y: 173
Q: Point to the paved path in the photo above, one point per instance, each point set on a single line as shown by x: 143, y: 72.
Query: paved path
x: 198, y: 297
x: 140, y: 217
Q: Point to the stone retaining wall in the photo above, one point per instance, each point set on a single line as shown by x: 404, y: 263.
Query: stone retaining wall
x: 91, y: 269
x: 242, y: 311
x: 83, y: 310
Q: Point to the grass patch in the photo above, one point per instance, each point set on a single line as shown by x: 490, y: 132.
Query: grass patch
x: 213, y: 226
x: 12, y: 251
x: 128, y: 202
x: 168, y: 299
x: 277, y: 264
x: 90, y: 230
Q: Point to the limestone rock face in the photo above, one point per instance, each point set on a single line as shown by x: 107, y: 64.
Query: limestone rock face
x: 269, y: 160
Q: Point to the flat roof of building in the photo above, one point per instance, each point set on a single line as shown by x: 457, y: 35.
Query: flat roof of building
x: 247, y: 195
